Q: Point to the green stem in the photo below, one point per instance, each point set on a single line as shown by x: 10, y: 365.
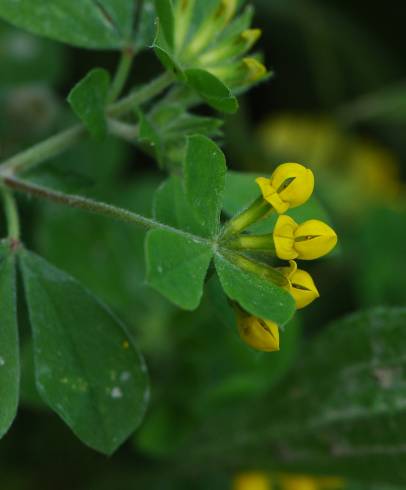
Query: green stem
x: 258, y: 210
x: 11, y: 211
x: 95, y: 207
x: 259, y: 243
x: 121, y: 76
x: 145, y: 93
x: 123, y: 130
x: 57, y: 144
x: 43, y: 151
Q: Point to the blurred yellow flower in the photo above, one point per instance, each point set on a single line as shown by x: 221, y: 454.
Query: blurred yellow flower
x: 259, y: 334
x: 252, y: 481
x: 290, y: 185
x: 298, y: 482
x: 310, y: 240
x: 376, y: 170
x: 301, y: 285
x: 306, y: 482
x: 301, y: 137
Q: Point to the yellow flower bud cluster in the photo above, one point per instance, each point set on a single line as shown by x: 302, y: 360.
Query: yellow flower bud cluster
x: 291, y: 185
x: 218, y: 39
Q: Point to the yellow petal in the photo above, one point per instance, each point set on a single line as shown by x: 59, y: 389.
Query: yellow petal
x: 258, y: 333
x: 270, y: 195
x: 313, y: 239
x: 289, y: 271
x: 265, y: 186
x: 301, y: 285
x: 284, y: 237
x: 303, y: 289
x: 293, y: 182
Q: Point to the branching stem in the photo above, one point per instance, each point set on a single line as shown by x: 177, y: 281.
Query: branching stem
x: 55, y: 145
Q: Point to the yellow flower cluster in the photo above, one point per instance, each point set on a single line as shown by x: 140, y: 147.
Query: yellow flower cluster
x: 256, y: 480
x: 290, y: 185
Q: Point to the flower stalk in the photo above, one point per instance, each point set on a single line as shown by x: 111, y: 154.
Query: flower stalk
x: 257, y: 243
x: 258, y: 210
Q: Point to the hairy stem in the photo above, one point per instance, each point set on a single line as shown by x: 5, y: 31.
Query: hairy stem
x: 13, y: 221
x: 95, y: 207
x: 43, y: 151
x: 123, y: 130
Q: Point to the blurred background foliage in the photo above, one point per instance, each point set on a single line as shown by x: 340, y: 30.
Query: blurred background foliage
x: 337, y: 103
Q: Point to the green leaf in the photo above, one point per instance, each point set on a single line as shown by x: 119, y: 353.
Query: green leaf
x: 87, y: 368
x: 145, y: 32
x: 212, y: 90
x: 257, y: 295
x: 100, y: 24
x: 165, y: 130
x: 168, y: 60
x: 205, y: 169
x: 177, y: 266
x: 342, y: 410
x: 164, y: 10
x: 149, y: 135
x: 88, y: 99
x: 172, y: 207
x: 9, y: 352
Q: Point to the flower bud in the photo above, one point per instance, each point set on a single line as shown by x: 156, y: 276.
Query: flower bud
x: 290, y: 185
x: 217, y: 38
x: 313, y: 239
x: 310, y: 240
x: 260, y: 334
x: 301, y: 285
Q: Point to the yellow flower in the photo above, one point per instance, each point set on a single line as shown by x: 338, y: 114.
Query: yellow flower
x: 290, y: 185
x: 310, y: 240
x: 252, y: 481
x: 301, y: 285
x: 299, y: 482
x: 258, y: 333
